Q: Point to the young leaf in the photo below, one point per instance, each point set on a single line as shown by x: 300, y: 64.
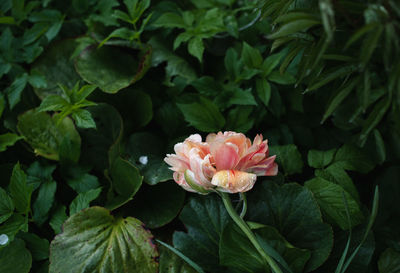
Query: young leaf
x: 203, y: 115
x: 320, y: 159
x: 196, y: 48
x: 8, y: 139
x: 6, y: 206
x: 20, y: 191
x: 83, y: 119
x: 83, y: 200
x: 53, y: 103
x: 251, y: 56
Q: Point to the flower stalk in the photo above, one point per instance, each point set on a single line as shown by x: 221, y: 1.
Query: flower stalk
x: 247, y: 231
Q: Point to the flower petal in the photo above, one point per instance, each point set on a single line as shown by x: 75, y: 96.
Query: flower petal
x: 234, y: 181
x: 225, y: 155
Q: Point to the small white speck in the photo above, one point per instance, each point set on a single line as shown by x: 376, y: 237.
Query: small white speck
x: 143, y: 159
x: 3, y: 239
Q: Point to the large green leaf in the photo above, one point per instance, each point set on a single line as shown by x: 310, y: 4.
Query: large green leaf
x: 95, y: 241
x: 354, y: 159
x: 237, y: 252
x: 154, y: 207
x: 110, y: 68
x: 57, y: 67
x: 46, y: 137
x: 15, y: 258
x: 330, y: 198
x: 389, y: 261
x: 293, y: 211
x: 320, y: 159
x: 204, y: 217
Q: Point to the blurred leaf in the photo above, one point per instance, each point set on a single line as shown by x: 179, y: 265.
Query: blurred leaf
x: 389, y: 261
x: 352, y: 158
x: 83, y: 200
x: 288, y: 157
x: 126, y: 181
x: 20, y: 191
x: 203, y: 115
x: 8, y: 139
x: 330, y: 76
x: 232, y: 63
x: 15, y: 258
x: 270, y: 63
x: 263, y: 90
x: 293, y: 27
x: 162, y: 208
x: 239, y: 119
x: 14, y: 92
x: 6, y: 206
x: 380, y: 146
x: 320, y: 159
x: 122, y: 244
x: 172, y: 263
x: 170, y: 20
x: 196, y: 48
x: 285, y: 78
x: 52, y: 103
x: 251, y: 56
x: 13, y: 225
x: 330, y: 198
x: 39, y: 247
x: 58, y: 218
x: 44, y: 201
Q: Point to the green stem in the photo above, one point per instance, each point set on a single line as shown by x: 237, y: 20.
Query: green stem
x: 245, y: 228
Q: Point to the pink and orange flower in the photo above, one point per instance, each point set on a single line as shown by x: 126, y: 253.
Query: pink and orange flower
x: 226, y: 161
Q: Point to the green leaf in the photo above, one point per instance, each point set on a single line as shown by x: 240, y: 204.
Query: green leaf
x: 238, y: 119
x: 83, y: 119
x: 320, y: 159
x: 270, y: 63
x: 53, y: 103
x: 81, y: 181
x: 172, y: 263
x: 58, y: 218
x: 336, y: 174
x: 339, y: 97
x: 94, y: 240
x: 39, y: 247
x: 13, y: 225
x: 204, y: 218
x: 42, y: 133
x: 7, y: 20
x: 263, y: 89
x: 123, y: 33
x: 389, y: 261
x: 380, y: 146
x: 20, y: 191
x: 330, y: 76
x: 162, y: 208
x: 108, y: 68
x: 329, y: 198
x: 203, y: 115
x: 207, y: 86
x: 6, y: 206
x: 285, y: 78
x: 57, y: 67
x: 15, y: 258
x: 251, y: 56
x: 288, y: 157
x: 36, y: 79
x: 83, y: 200
x: 196, y: 48
x: 239, y: 96
x: 170, y: 20
x: 293, y: 27
x: 126, y: 181
x: 14, y: 92
x: 351, y: 158
x: 370, y: 43
x: 8, y: 139
x: 237, y: 252
x: 44, y: 201
x: 293, y: 211
x: 232, y: 63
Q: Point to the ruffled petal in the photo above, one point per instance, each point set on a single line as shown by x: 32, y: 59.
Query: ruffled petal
x: 225, y: 155
x: 234, y: 181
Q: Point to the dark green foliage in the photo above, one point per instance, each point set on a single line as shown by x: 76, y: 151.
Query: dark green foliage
x: 95, y: 93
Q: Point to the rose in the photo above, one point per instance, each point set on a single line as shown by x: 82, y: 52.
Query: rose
x: 227, y: 161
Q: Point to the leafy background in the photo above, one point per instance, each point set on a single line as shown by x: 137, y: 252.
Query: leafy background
x: 95, y: 93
